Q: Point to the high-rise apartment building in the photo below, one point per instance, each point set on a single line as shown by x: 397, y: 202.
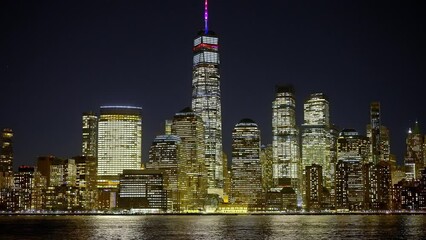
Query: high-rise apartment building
x: 119, y: 140
x: 285, y: 138
x: 246, y: 181
x: 206, y: 99
x: 89, y: 134
x: 192, y: 175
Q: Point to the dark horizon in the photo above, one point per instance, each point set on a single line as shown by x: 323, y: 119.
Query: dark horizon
x: 60, y: 59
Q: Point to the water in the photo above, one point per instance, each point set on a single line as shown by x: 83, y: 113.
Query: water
x: 214, y: 227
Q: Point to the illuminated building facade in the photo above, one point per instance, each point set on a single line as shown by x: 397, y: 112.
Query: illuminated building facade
x: 24, y: 183
x: 316, y: 140
x: 192, y: 175
x: 285, y: 137
x: 353, y: 152
x: 164, y: 155
x: 379, y: 136
x: 89, y: 134
x: 206, y: 99
x: 246, y: 183
x: 119, y: 140
x: 314, y: 187
x: 142, y: 189
x: 378, y: 185
x: 414, y: 155
x: 86, y: 181
x: 266, y: 162
x: 6, y: 158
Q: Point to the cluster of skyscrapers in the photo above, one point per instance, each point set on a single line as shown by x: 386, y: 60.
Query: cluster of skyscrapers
x: 313, y: 166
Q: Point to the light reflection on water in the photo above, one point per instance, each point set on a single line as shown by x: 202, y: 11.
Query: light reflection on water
x: 214, y: 227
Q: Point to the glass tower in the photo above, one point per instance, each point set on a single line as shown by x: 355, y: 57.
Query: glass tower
x: 285, y: 137
x: 206, y: 99
x: 119, y: 140
x: 317, y: 137
x: 192, y: 175
x: 246, y: 183
x: 6, y: 151
x: 89, y: 137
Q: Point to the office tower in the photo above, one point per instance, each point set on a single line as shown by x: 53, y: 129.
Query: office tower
x: 206, y: 99
x: 6, y: 154
x: 375, y: 131
x: 90, y: 135
x: 164, y: 155
x: 38, y: 191
x: 377, y: 185
x: 353, y: 150
x: 285, y: 137
x: 266, y: 162
x: 142, y: 190
x: 168, y: 127
x: 317, y: 139
x: 414, y: 155
x: 379, y: 136
x: 314, y: 187
x: 24, y: 182
x: 246, y: 183
x: 119, y: 140
x: 86, y: 181
x: 192, y: 175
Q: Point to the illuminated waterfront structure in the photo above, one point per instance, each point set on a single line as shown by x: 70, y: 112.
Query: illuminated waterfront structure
x: 246, y: 181
x: 192, y: 175
x: 317, y: 142
x: 285, y: 137
x: 414, y: 155
x: 119, y: 140
x: 142, y: 190
x: 89, y: 134
x: 206, y: 99
x: 164, y: 155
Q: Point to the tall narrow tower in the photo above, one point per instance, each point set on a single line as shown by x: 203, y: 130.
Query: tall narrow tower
x: 206, y: 98
x: 285, y: 138
x: 6, y: 151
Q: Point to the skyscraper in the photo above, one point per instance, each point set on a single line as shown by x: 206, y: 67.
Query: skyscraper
x: 165, y: 154
x: 6, y: 158
x: 119, y: 140
x: 192, y: 175
x: 246, y: 181
x: 285, y: 137
x: 379, y: 136
x: 89, y: 134
x: 6, y: 154
x: 317, y: 137
x: 206, y: 98
x: 414, y: 155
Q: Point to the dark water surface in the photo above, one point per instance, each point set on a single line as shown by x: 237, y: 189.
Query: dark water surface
x: 214, y: 227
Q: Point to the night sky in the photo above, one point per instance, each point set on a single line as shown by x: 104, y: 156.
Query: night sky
x: 61, y: 58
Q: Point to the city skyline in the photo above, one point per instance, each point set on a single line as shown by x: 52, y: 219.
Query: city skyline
x: 71, y: 82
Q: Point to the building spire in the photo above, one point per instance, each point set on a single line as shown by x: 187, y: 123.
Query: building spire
x: 206, y: 16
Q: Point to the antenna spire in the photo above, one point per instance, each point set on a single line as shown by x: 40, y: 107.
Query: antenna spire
x: 206, y: 16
